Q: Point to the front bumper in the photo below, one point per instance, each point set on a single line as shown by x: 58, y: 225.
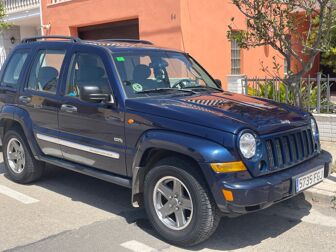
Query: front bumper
x: 258, y: 193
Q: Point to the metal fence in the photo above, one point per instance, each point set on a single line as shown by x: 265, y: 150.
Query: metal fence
x: 316, y: 92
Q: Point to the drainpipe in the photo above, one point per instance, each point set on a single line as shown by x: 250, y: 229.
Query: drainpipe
x: 41, y: 19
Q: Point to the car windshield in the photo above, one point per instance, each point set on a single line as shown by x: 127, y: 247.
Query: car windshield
x: 153, y: 72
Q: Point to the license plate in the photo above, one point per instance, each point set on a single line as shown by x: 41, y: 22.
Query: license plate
x: 309, y: 179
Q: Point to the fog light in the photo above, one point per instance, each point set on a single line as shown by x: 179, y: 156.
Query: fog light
x: 228, y: 195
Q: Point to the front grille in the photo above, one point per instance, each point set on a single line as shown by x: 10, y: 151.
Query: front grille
x: 289, y: 149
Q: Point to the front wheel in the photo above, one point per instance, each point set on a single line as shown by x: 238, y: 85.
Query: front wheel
x: 178, y: 203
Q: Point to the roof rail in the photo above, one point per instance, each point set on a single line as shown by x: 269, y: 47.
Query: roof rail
x: 137, y: 41
x: 34, y: 39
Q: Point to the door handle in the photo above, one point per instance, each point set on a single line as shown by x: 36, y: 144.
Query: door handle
x: 24, y: 99
x: 68, y: 108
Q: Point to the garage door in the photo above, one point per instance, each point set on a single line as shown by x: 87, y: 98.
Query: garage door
x: 128, y: 29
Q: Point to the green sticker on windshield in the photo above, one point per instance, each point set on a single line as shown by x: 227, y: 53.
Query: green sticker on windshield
x: 137, y: 87
x: 120, y: 59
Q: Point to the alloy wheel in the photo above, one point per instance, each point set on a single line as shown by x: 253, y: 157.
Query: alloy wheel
x: 173, y: 203
x: 15, y: 155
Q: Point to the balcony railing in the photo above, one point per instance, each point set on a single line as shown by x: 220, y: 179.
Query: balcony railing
x: 58, y: 1
x: 12, y: 6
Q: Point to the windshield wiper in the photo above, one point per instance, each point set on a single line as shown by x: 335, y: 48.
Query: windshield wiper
x: 162, y: 90
x: 204, y: 87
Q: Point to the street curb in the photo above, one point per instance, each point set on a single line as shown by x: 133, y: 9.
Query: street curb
x: 323, y: 193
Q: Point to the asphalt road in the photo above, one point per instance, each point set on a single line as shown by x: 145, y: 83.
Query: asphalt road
x: 66, y: 211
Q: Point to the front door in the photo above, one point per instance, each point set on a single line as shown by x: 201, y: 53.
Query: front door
x: 91, y: 130
x: 39, y: 97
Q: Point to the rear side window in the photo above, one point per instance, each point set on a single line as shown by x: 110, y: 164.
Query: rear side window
x: 45, y: 71
x: 13, y: 69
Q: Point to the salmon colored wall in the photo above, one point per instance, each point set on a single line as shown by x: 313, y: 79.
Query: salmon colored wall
x: 158, y: 22
x: 196, y: 26
x: 205, y: 25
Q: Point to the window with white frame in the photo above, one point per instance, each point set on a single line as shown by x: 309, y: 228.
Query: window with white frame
x: 235, y: 57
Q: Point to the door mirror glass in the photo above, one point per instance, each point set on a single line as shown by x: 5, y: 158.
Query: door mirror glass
x: 94, y: 94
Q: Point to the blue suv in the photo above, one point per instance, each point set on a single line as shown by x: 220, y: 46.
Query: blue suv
x: 153, y: 120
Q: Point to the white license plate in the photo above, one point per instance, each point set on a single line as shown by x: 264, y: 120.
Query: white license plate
x: 309, y: 179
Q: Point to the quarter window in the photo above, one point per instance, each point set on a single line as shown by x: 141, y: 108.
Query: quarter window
x: 13, y: 69
x: 45, y: 71
x: 87, y: 70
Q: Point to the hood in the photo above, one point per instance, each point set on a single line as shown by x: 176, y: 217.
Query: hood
x: 224, y: 111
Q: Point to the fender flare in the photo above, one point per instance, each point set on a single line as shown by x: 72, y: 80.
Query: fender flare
x: 7, y: 113
x: 199, y: 149
x: 22, y: 117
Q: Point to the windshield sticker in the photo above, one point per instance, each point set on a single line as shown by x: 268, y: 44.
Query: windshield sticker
x: 137, y: 87
x: 120, y: 59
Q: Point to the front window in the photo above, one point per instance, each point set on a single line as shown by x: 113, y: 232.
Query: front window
x: 144, y: 73
x: 87, y: 70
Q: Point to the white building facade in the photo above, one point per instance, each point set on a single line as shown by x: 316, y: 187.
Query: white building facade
x: 24, y: 17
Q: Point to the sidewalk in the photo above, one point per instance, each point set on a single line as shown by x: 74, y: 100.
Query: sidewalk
x: 325, y: 192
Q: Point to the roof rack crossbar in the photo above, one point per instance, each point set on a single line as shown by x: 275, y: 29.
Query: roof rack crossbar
x: 127, y: 41
x: 34, y: 39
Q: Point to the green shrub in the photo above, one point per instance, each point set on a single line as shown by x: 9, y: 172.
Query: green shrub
x: 269, y: 91
x: 279, y: 92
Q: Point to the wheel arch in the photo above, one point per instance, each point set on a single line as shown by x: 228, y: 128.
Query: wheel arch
x: 157, y: 144
x: 11, y: 117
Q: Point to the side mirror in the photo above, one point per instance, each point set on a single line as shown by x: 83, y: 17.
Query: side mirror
x: 218, y: 83
x: 94, y: 94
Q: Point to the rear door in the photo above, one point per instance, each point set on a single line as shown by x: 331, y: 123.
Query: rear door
x: 39, y: 96
x: 91, y: 132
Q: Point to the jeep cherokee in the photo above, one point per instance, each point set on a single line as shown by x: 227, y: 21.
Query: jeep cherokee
x: 153, y: 120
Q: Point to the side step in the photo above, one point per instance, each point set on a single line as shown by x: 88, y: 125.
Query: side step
x: 96, y: 173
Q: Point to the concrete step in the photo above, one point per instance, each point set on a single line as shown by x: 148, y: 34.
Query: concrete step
x: 323, y: 193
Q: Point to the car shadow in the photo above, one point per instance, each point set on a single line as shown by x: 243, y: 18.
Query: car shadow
x: 232, y: 233
x: 252, y: 229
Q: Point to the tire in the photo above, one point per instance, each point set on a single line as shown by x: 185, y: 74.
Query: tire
x: 20, y: 164
x: 204, y: 215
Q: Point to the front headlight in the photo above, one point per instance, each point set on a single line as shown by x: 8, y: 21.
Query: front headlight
x: 313, y: 127
x: 247, y: 145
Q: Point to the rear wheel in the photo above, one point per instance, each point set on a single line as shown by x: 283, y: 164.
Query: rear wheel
x: 20, y: 164
x: 178, y: 203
